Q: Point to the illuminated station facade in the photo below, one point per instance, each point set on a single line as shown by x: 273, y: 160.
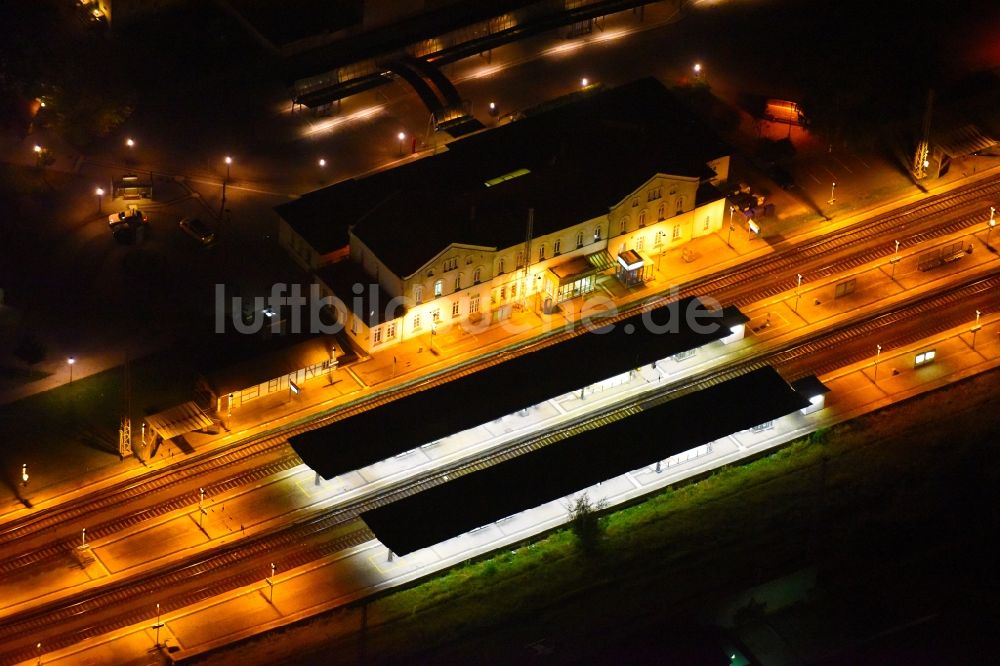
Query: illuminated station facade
x: 525, y: 216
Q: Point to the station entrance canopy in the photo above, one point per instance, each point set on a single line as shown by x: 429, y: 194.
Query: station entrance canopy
x: 178, y: 420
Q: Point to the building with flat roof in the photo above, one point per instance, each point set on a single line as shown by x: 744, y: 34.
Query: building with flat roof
x: 522, y: 216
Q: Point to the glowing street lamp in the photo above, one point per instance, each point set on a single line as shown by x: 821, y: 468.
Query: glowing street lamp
x: 71, y: 362
x: 697, y: 70
x: 493, y: 109
x: 100, y: 193
x: 732, y: 209
x: 975, y: 328
x: 401, y: 136
x: 37, y: 149
x: 894, y: 261
x: 833, y: 193
x: 158, y: 625
x: 24, y: 474
x: 878, y: 352
x: 584, y: 82
x: 992, y: 223
x: 129, y: 142
x: 322, y: 162
x: 229, y: 163
x: 798, y: 295
x: 270, y: 583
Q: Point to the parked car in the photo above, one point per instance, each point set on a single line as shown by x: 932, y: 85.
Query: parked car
x: 130, y: 217
x: 198, y: 230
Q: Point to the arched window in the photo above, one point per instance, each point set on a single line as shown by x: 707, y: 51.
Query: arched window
x: 680, y: 205
x: 418, y: 293
x: 557, y: 247
x: 541, y: 252
x: 500, y: 265
x: 597, y: 233
x: 642, y: 218
x: 458, y: 282
x: 476, y: 274
x: 579, y: 240
x: 438, y: 288
x: 622, y: 225
x: 659, y: 213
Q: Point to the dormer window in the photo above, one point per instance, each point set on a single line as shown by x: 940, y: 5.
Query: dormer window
x: 654, y: 194
x: 450, y: 264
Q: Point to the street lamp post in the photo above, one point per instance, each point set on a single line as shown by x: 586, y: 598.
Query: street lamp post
x: 229, y: 163
x: 158, y: 625
x: 71, y: 361
x: 270, y: 583
x: 732, y: 209
x: 798, y: 295
x: 24, y: 474
x: 975, y: 328
x: 201, y: 511
x: 83, y: 538
x: 989, y: 228
x: 833, y: 193
x: 894, y: 261
x: 697, y: 70
x: 878, y: 352
x: 100, y: 194
x: 401, y: 136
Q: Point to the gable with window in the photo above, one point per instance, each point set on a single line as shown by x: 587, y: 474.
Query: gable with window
x: 654, y: 194
x: 451, y: 264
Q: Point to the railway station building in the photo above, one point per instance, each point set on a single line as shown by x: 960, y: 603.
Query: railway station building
x: 524, y: 216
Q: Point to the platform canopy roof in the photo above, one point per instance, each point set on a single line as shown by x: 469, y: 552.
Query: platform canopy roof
x: 510, y: 386
x: 582, y: 460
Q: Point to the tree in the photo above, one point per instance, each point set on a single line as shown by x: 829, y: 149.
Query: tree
x: 585, y: 523
x: 30, y: 350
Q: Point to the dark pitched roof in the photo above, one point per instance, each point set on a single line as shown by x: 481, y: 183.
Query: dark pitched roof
x: 373, y: 305
x: 574, y: 463
x: 403, y: 424
x: 582, y: 157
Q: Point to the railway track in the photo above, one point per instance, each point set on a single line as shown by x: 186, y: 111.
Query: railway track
x: 734, y: 287
x: 302, y: 541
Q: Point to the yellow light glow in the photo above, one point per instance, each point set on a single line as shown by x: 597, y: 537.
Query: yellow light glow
x: 610, y: 35
x: 38, y: 148
x: 99, y: 192
x: 562, y: 49
x: 331, y: 124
